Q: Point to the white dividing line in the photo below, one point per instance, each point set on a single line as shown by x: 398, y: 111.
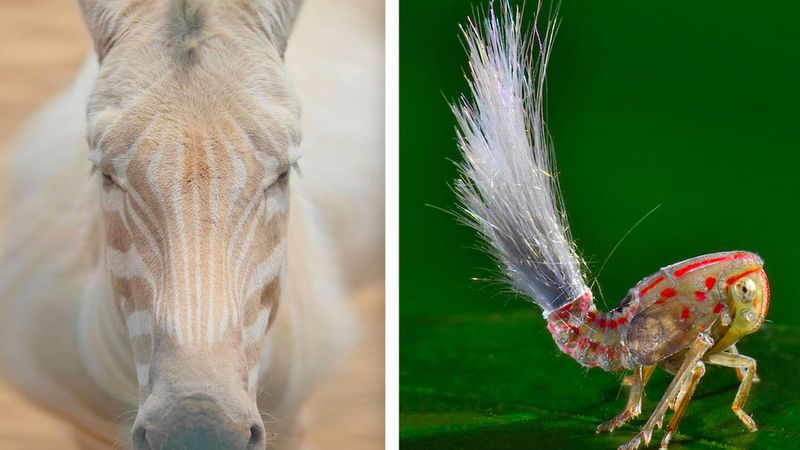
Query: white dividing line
x: 140, y: 323
x: 267, y: 270
x: 143, y: 374
x: 255, y: 332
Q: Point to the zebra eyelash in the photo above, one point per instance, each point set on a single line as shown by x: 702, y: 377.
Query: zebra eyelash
x: 107, y: 179
x: 279, y: 181
x: 293, y: 168
x: 296, y: 167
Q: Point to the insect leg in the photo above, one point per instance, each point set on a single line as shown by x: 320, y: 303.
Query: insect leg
x: 741, y: 362
x: 701, y: 344
x: 675, y: 402
x: 634, y: 406
x: 739, y: 371
x: 627, y: 380
x: 683, y: 401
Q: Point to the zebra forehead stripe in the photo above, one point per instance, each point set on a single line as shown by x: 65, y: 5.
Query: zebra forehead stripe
x: 214, y: 206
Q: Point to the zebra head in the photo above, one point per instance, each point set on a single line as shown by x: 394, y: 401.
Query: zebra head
x: 192, y: 128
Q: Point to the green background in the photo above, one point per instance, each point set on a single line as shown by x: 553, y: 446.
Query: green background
x: 690, y: 105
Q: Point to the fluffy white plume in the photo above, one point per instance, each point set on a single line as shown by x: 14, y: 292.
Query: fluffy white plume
x: 508, y: 189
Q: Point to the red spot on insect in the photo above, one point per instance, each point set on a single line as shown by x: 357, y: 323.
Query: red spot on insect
x: 665, y: 294
x: 736, y: 278
x: 700, y: 296
x: 684, y: 313
x: 718, y: 308
x: 612, y: 324
x: 655, y: 282
x: 601, y: 323
x: 688, y: 268
x: 710, y: 282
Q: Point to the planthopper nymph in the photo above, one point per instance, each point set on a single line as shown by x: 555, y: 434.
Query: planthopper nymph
x: 683, y: 317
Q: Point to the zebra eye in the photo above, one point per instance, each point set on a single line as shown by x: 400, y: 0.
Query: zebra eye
x: 283, y: 177
x: 107, y: 180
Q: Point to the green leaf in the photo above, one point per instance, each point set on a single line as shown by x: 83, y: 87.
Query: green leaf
x: 498, y: 381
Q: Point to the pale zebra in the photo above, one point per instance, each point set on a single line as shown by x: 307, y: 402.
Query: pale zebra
x: 192, y: 128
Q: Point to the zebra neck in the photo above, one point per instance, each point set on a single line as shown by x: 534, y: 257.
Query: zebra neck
x: 591, y: 337
x: 104, y: 346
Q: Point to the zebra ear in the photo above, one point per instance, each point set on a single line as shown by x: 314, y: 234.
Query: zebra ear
x: 100, y: 18
x: 277, y: 18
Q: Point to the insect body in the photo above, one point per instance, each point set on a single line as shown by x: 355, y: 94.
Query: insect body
x: 663, y: 313
x: 679, y: 318
x: 682, y: 317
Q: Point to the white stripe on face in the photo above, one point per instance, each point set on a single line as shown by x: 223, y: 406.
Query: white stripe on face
x: 143, y: 374
x: 177, y: 218
x: 129, y: 265
x: 140, y: 323
x: 252, y: 378
x: 213, y: 206
x: 266, y: 271
x: 254, y: 332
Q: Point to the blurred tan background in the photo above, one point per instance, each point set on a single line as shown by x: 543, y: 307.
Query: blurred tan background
x: 42, y: 44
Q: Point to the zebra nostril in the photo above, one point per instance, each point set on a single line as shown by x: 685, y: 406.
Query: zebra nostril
x: 140, y: 438
x: 257, y: 437
x: 197, y: 423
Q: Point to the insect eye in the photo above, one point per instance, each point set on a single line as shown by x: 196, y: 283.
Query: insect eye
x: 745, y: 290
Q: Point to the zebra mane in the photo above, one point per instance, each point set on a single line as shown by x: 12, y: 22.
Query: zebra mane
x: 508, y: 188
x: 190, y: 13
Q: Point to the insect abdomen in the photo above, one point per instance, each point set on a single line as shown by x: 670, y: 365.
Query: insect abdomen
x: 591, y: 337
